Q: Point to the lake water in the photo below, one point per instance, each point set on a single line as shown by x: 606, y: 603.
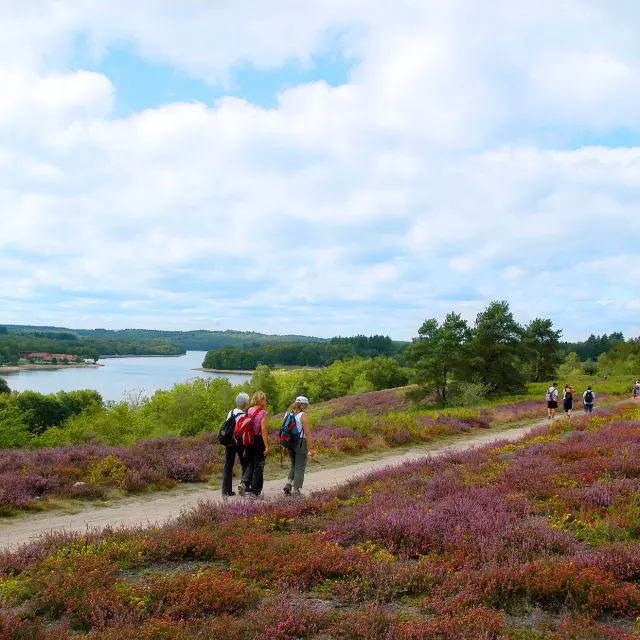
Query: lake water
x: 119, y: 375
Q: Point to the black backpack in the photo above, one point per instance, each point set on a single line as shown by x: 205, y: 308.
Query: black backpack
x: 225, y: 435
x: 569, y: 396
x: 588, y: 397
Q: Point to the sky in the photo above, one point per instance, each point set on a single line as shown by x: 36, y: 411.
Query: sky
x: 321, y: 168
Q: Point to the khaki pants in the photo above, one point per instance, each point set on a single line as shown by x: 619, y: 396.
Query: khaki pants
x: 298, y: 458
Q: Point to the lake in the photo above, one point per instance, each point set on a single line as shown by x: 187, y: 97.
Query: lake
x: 119, y: 375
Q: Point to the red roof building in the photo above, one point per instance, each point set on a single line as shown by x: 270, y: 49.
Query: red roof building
x: 39, y: 355
x: 46, y: 357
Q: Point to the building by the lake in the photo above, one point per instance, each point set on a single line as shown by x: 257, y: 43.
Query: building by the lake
x: 42, y: 356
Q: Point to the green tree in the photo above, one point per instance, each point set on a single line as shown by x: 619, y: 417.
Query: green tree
x: 263, y: 380
x: 14, y: 433
x: 385, y: 373
x: 495, y: 348
x: 590, y: 368
x: 541, y: 349
x: 3, y: 330
x: 605, y: 364
x: 570, y: 366
x: 4, y: 387
x: 438, y: 353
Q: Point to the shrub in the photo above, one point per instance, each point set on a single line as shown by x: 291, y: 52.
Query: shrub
x: 185, y: 596
x: 469, y: 394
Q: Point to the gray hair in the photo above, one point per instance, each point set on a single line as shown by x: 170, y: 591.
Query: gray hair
x: 241, y: 400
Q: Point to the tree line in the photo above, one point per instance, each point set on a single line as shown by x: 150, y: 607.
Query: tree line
x: 12, y: 342
x: 303, y: 354
x: 199, y: 340
x: 497, y: 354
x: 593, y: 347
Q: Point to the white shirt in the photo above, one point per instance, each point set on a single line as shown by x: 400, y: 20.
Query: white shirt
x: 236, y: 413
x: 298, y: 417
x: 552, y: 394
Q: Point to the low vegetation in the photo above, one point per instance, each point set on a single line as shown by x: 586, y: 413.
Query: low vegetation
x: 30, y: 419
x: 527, y: 541
x: 109, y: 461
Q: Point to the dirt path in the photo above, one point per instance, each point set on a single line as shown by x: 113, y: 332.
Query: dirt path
x: 159, y: 507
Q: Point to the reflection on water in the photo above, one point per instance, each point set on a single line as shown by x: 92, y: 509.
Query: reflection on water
x: 118, y: 376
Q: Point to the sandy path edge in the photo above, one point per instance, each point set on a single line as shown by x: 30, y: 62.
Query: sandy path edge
x: 157, y: 508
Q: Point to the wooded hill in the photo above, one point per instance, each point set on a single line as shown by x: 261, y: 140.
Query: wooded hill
x: 319, y: 354
x: 93, y: 342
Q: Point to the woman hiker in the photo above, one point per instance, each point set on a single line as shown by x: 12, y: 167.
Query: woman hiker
x: 303, y: 448
x: 253, y: 473
x: 567, y: 399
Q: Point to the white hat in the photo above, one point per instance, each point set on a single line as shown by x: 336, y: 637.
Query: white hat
x: 302, y: 400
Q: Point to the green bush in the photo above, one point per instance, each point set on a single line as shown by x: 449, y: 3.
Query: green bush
x: 589, y: 368
x: 14, y: 432
x: 469, y: 394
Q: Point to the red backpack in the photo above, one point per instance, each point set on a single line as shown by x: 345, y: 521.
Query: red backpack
x: 243, y: 434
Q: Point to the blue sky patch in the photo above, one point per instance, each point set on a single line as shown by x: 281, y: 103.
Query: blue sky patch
x: 141, y: 83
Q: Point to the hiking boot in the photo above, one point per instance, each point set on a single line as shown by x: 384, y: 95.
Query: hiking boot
x: 228, y: 494
x: 297, y: 494
x: 287, y: 489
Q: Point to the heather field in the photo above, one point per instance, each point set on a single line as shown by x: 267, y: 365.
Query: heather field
x: 343, y: 428
x: 525, y: 541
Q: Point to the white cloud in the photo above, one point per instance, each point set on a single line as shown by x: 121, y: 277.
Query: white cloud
x: 437, y: 177
x: 513, y: 272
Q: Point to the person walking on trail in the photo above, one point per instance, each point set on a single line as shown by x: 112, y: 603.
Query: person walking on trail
x: 636, y: 390
x: 567, y: 399
x: 588, y: 398
x: 552, y: 401
x: 253, y: 473
x: 302, y: 449
x: 233, y: 450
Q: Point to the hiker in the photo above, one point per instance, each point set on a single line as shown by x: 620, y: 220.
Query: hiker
x: 232, y: 450
x: 567, y: 399
x: 552, y: 401
x: 303, y: 448
x: 253, y: 473
x: 588, y: 398
x: 636, y: 390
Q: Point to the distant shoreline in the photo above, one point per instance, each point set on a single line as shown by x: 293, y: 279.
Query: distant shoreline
x: 46, y: 367
x: 240, y: 371
x: 149, y: 355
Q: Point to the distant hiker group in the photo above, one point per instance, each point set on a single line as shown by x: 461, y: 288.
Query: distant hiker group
x: 588, y: 400
x: 245, y: 435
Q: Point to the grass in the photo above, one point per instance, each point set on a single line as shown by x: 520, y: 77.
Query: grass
x: 613, y: 385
